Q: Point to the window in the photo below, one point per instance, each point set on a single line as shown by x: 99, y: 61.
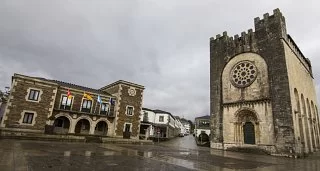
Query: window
x: 104, y: 108
x: 65, y: 102
x: 27, y: 118
x: 127, y: 127
x: 204, y: 123
x: 145, y: 116
x: 33, y: 95
x: 161, y: 118
x: 129, y: 110
x: 86, y: 105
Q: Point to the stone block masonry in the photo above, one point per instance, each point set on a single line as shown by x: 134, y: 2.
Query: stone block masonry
x: 265, y: 49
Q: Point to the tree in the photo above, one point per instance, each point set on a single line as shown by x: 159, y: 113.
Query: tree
x: 191, y: 126
x: 4, y: 95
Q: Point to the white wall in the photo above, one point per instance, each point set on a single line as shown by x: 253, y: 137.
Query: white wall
x: 151, y: 116
x: 172, y: 121
x: 165, y: 118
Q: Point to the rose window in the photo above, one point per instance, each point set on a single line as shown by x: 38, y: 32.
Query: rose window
x: 243, y: 74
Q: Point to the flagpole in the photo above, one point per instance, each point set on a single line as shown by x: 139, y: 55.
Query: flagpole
x: 64, y: 107
x: 95, y: 107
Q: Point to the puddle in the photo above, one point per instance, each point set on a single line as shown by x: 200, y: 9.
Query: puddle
x: 180, y: 162
x: 88, y: 153
x: 185, y: 153
x: 109, y: 153
x: 146, y: 154
x: 112, y: 164
x: 67, y: 153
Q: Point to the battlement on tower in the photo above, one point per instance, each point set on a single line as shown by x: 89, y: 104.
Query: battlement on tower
x: 258, y: 24
x: 268, y: 20
x: 269, y: 27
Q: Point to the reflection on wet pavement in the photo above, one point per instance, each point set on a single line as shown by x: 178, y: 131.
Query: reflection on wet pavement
x: 177, y: 154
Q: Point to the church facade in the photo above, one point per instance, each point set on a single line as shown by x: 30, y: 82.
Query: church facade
x: 262, y: 91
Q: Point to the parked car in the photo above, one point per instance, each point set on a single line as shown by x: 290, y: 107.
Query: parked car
x: 181, y: 135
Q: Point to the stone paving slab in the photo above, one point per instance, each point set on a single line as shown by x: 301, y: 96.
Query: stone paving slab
x: 29, y: 155
x: 73, y: 138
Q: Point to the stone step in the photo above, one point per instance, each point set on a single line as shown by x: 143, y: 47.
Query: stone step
x: 93, y: 139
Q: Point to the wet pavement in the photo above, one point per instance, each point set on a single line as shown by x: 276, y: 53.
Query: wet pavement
x: 177, y: 154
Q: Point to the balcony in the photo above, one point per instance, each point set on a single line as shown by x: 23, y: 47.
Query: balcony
x: 65, y: 107
x: 86, y: 112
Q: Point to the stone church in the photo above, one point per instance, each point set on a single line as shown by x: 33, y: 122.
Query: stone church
x: 262, y: 91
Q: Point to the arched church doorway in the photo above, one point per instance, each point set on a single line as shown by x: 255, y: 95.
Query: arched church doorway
x: 246, y: 127
x: 249, y: 133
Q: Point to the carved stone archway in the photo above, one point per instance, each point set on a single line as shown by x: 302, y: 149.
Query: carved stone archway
x: 246, y: 127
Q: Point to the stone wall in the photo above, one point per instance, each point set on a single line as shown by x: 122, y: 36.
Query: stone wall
x: 18, y: 104
x: 135, y: 101
x: 264, y: 130
x: 258, y: 90
x: 302, y: 92
x: 77, y: 100
x: 265, y: 41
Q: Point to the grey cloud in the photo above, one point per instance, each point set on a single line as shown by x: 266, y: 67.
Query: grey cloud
x: 163, y: 45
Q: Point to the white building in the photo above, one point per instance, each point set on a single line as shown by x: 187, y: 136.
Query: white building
x: 186, y: 125
x: 158, y: 124
x: 147, y: 120
x: 180, y: 129
x: 165, y: 124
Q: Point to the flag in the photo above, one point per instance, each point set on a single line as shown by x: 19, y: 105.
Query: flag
x: 112, y: 101
x: 99, y: 99
x: 69, y: 94
x: 87, y: 96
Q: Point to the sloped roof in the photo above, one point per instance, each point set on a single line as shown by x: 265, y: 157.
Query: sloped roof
x: 70, y: 85
x: 203, y: 117
x: 86, y: 89
x: 161, y: 111
x: 177, y: 117
x: 123, y: 82
x: 144, y: 108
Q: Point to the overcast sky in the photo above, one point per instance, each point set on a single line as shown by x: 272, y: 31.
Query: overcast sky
x: 161, y: 44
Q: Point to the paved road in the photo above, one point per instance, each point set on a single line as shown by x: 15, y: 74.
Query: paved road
x: 177, y: 154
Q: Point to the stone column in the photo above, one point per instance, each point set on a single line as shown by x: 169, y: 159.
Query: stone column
x: 317, y: 129
x: 297, y: 128
x: 314, y: 133
x: 92, y: 127
x: 241, y: 133
x: 304, y: 127
x: 235, y: 132
x: 309, y: 126
x: 72, y: 126
x: 257, y: 130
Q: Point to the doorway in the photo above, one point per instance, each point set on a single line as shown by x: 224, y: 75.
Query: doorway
x: 127, y: 133
x: 82, y: 127
x: 249, y: 133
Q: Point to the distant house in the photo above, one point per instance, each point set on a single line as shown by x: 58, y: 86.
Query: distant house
x: 159, y: 124
x: 186, y: 125
x: 164, y: 124
x: 202, y: 130
x: 41, y: 105
x: 180, y: 129
x: 147, y: 126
